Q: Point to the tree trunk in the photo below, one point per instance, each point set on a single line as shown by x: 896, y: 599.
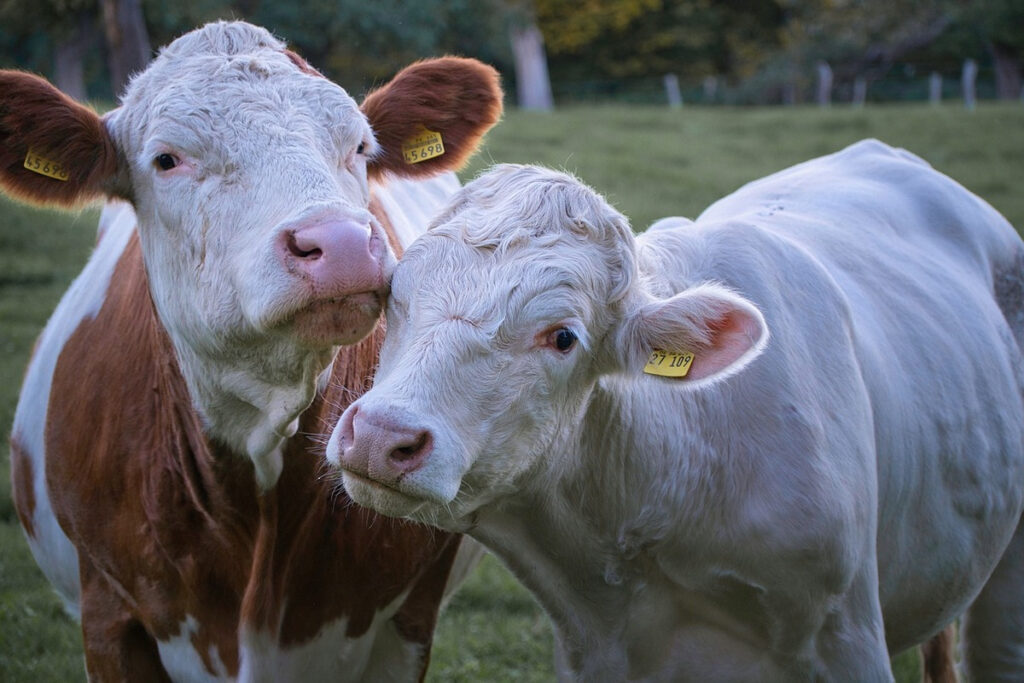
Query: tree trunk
x: 1007, y: 67
x: 533, y: 86
x: 128, y: 48
x: 68, y: 54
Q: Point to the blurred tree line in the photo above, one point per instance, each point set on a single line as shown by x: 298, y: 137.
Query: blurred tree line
x: 755, y: 50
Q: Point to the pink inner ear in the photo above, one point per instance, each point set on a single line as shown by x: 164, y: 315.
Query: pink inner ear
x: 732, y: 335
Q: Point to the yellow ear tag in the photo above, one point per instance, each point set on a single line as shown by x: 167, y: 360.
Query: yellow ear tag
x: 669, y: 363
x: 43, y: 166
x: 425, y: 144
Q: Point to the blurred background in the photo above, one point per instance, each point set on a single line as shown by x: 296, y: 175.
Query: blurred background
x: 562, y: 52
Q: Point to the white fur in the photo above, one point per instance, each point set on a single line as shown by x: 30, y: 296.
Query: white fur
x: 380, y: 654
x: 50, y: 546
x: 812, y: 504
x: 183, y: 663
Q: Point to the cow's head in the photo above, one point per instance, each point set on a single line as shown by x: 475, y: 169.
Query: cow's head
x: 250, y: 173
x: 502, y: 318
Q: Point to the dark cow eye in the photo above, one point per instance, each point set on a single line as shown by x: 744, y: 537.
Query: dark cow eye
x: 361, y: 148
x: 564, y: 339
x: 165, y: 162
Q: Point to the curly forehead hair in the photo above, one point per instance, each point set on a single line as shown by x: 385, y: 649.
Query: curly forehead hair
x: 513, y: 207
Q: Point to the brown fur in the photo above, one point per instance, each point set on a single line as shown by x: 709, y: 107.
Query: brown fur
x: 458, y: 98
x: 22, y: 490
x: 938, y: 657
x: 168, y: 524
x: 35, y: 115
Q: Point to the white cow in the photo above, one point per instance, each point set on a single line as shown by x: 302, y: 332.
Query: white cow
x: 800, y: 505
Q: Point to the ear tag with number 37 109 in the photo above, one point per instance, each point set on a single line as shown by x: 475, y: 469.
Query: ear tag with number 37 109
x: 669, y: 363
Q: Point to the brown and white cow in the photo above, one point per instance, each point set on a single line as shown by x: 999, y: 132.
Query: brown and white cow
x: 165, y: 457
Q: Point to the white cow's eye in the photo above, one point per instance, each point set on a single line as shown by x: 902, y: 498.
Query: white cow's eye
x: 361, y: 148
x: 165, y: 162
x: 563, y: 339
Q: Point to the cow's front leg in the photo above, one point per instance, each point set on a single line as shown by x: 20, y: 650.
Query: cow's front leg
x: 817, y: 636
x: 851, y: 644
x: 117, y: 646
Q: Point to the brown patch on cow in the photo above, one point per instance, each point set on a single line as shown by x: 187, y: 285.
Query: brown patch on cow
x: 167, y: 520
x: 168, y: 525
x: 377, y: 209
x: 23, y: 485
x: 459, y: 98
x: 304, y: 66
x: 938, y: 657
x: 35, y: 115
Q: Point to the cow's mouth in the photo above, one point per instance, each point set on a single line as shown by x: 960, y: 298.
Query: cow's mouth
x: 338, y: 321
x: 380, y: 497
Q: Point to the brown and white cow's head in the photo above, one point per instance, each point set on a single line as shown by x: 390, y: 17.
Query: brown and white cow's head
x: 502, y: 318
x: 249, y: 173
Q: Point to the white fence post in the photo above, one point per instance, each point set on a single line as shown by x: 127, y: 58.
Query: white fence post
x: 860, y: 91
x: 968, y: 78
x: 935, y: 88
x: 675, y: 98
x: 710, y: 89
x: 824, y: 84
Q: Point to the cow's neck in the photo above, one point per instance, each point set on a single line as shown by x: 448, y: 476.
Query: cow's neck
x: 582, y: 536
x: 251, y: 403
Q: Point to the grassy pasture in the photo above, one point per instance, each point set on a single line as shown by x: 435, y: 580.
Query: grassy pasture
x: 649, y: 162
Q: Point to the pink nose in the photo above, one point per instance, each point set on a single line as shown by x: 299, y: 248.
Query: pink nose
x: 380, y: 447
x: 338, y: 256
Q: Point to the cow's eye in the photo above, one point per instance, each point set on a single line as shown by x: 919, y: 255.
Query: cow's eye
x: 165, y: 162
x: 361, y: 148
x: 563, y: 339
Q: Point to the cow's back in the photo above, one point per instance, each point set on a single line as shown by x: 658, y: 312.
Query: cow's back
x: 893, y: 296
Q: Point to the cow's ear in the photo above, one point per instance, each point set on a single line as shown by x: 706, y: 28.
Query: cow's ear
x: 449, y: 101
x: 700, y: 335
x: 53, y: 150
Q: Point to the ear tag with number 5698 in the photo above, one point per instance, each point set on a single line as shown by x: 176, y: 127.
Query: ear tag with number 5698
x: 669, y: 363
x: 425, y: 144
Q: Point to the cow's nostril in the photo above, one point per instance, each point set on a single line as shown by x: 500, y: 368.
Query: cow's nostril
x: 414, y: 450
x: 304, y: 251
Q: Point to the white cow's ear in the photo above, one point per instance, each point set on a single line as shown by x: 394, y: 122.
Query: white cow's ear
x: 702, y: 334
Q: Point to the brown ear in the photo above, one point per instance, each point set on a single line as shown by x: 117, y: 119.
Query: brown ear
x: 458, y: 98
x: 68, y: 139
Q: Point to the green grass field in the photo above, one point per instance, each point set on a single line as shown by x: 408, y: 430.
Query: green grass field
x: 649, y: 162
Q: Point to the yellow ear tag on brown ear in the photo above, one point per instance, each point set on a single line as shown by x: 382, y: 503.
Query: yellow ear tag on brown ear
x: 39, y: 164
x: 425, y: 144
x: 669, y: 363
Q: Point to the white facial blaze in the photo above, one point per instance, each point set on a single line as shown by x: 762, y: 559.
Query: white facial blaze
x: 248, y: 176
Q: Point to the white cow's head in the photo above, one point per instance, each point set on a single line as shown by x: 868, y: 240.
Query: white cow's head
x: 502, y: 318
x: 249, y: 173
